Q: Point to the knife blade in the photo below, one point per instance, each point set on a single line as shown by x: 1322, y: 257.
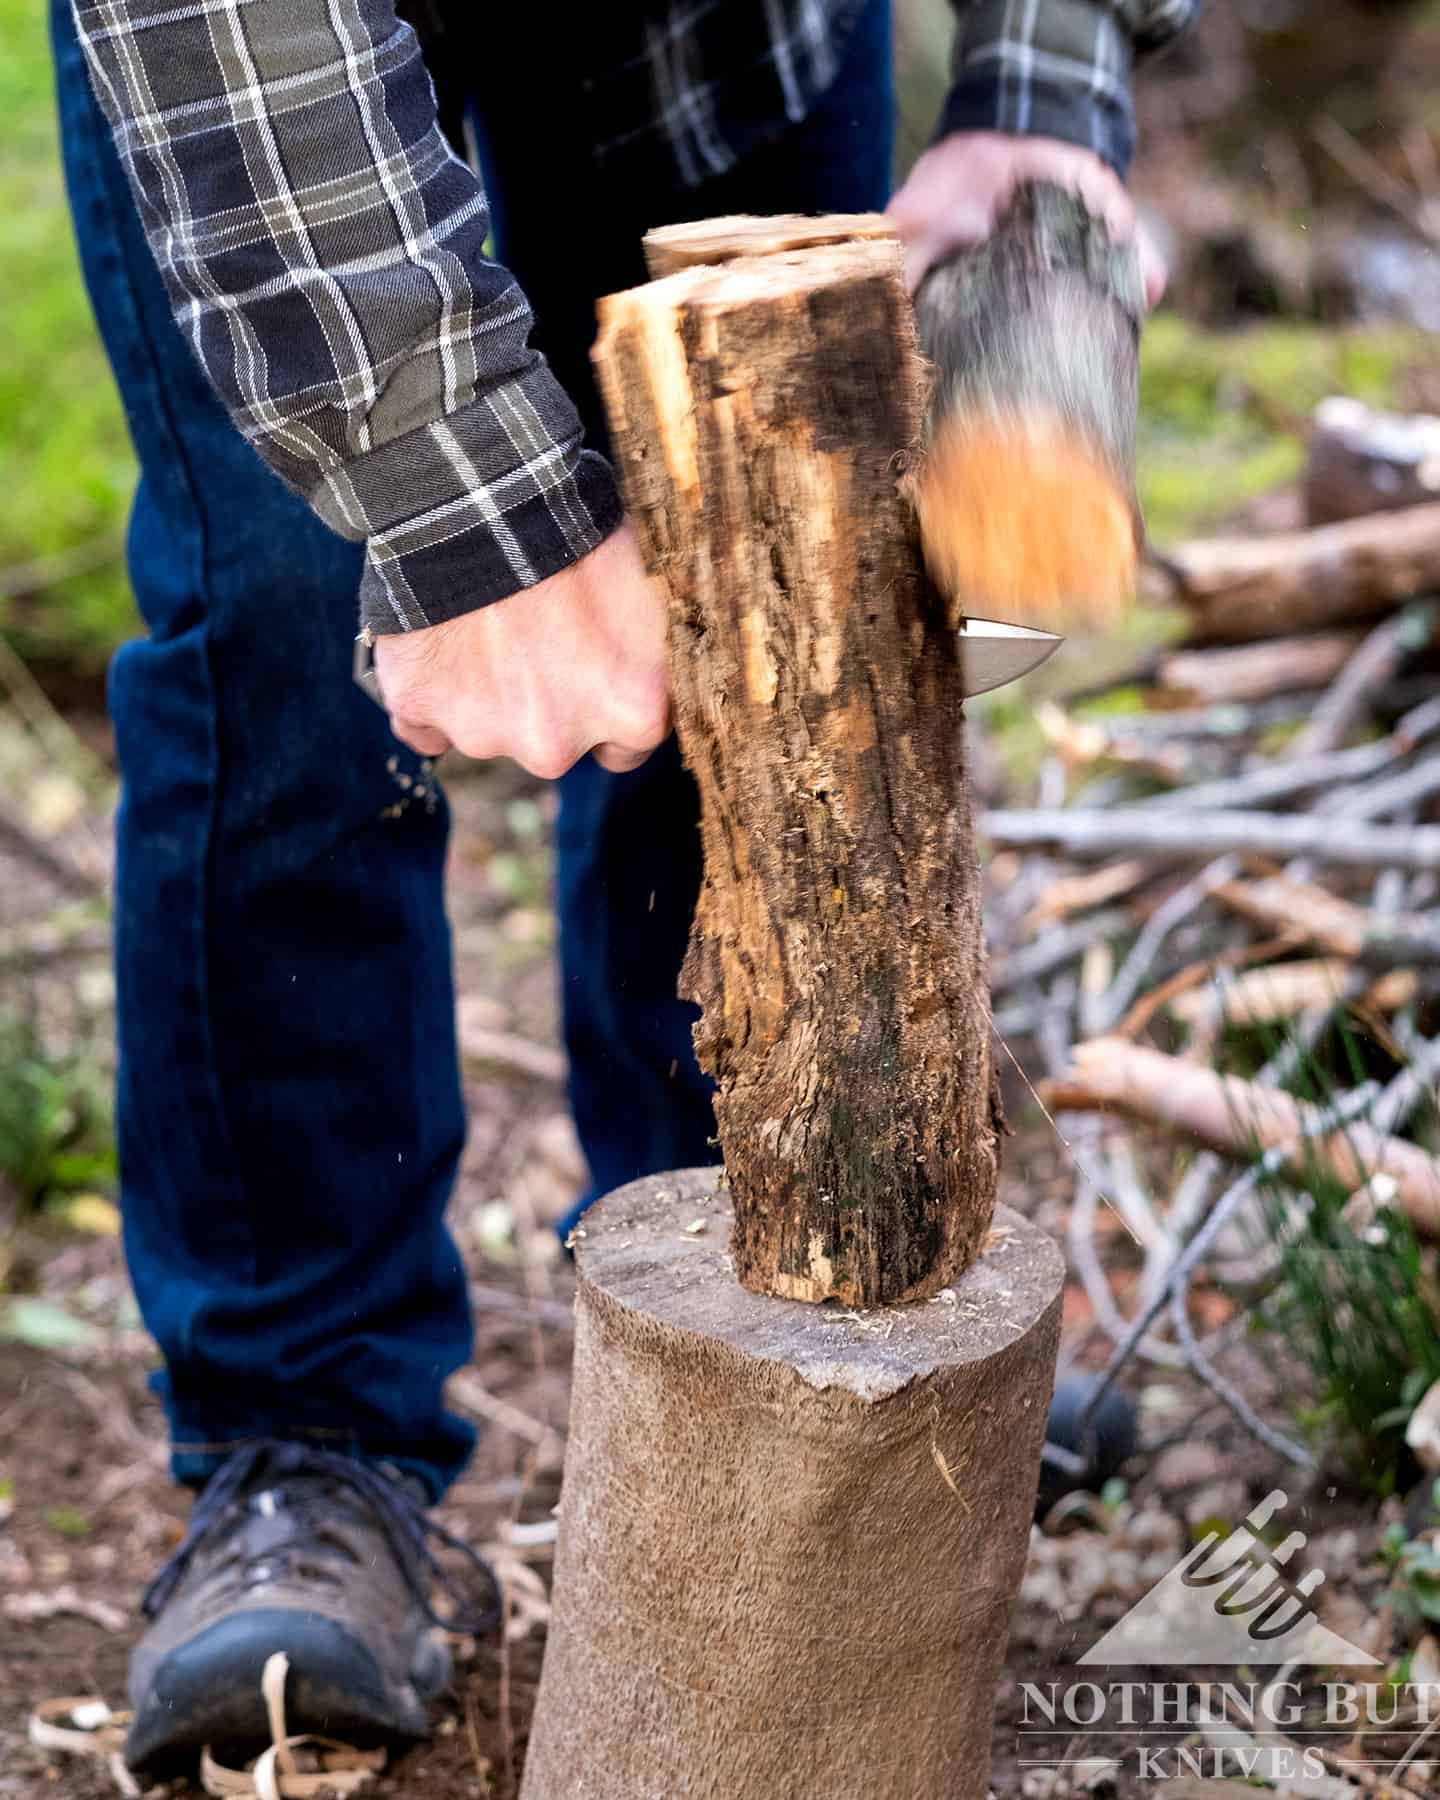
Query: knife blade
x: 993, y: 653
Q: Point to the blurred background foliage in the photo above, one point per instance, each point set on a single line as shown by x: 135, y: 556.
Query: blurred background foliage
x: 68, y: 467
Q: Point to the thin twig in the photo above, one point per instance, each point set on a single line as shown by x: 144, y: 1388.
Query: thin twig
x: 1055, y: 949
x: 66, y: 874
x: 1181, y: 904
x: 1225, y: 1391
x: 1370, y: 175
x: 1377, y: 659
x: 47, y: 571
x: 1324, y: 1119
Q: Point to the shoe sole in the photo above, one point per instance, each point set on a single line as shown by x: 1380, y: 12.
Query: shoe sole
x: 207, y: 1690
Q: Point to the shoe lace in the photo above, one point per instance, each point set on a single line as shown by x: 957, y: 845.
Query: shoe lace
x: 407, y: 1527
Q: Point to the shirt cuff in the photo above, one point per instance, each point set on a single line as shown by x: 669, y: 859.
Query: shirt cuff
x: 1062, y: 73
x: 472, y: 507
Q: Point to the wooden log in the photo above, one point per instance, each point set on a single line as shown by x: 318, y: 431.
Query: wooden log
x: 1364, y: 461
x: 1240, y: 589
x: 789, y: 1540
x: 1026, y: 495
x: 1239, y: 1118
x: 1243, y: 672
x: 759, y: 409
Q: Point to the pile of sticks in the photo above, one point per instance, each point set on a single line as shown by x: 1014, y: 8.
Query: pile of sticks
x: 1255, y: 851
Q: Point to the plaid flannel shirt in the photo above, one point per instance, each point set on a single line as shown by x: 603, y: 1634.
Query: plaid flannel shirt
x: 324, y: 247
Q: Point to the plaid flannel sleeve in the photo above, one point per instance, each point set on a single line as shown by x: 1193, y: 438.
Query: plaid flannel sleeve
x: 1056, y: 68
x: 323, y: 249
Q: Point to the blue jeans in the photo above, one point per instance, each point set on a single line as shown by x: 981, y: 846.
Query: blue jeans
x: 289, y: 1108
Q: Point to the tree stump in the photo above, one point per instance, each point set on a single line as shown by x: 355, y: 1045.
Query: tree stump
x: 761, y: 410
x: 790, y: 1537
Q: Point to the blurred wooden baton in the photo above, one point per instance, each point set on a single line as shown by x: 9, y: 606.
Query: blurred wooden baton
x: 1026, y: 490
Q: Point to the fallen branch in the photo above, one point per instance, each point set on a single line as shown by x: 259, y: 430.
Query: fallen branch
x: 1135, y: 831
x: 1242, y: 672
x: 63, y: 565
x: 1279, y: 991
x: 1241, y: 589
x: 1306, y: 913
x: 1191, y: 976
x: 35, y: 1608
x: 1242, y: 1119
x: 1363, y: 461
x: 1301, y: 909
x: 1295, y: 774
x: 1379, y: 799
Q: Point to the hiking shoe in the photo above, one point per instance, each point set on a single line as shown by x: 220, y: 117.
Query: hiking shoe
x: 322, y: 1556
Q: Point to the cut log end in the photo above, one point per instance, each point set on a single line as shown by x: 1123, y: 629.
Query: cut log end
x: 1022, y: 520
x: 672, y: 247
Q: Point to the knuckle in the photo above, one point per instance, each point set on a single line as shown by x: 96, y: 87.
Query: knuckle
x: 479, y: 745
x: 420, y: 738
x: 547, y: 760
x: 643, y: 720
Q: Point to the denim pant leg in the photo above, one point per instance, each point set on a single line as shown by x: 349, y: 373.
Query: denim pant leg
x: 289, y: 1109
x: 628, y: 855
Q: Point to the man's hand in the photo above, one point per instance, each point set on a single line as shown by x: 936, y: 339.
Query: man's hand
x: 575, y: 663
x: 956, y: 190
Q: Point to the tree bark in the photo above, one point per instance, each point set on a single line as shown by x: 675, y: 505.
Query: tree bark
x: 1026, y: 494
x: 760, y: 409
x: 1239, y: 589
x: 789, y: 1540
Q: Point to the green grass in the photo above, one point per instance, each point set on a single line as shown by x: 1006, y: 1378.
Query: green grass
x: 1355, y: 1304
x: 68, y: 465
x: 56, y: 1135
x: 1223, y: 414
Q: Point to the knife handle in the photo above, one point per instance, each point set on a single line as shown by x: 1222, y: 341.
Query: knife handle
x: 1026, y: 490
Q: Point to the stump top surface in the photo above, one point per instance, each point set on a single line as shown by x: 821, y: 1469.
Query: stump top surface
x: 661, y: 1247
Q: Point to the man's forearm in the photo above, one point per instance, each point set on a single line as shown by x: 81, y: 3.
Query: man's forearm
x: 323, y: 249
x: 1056, y: 68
